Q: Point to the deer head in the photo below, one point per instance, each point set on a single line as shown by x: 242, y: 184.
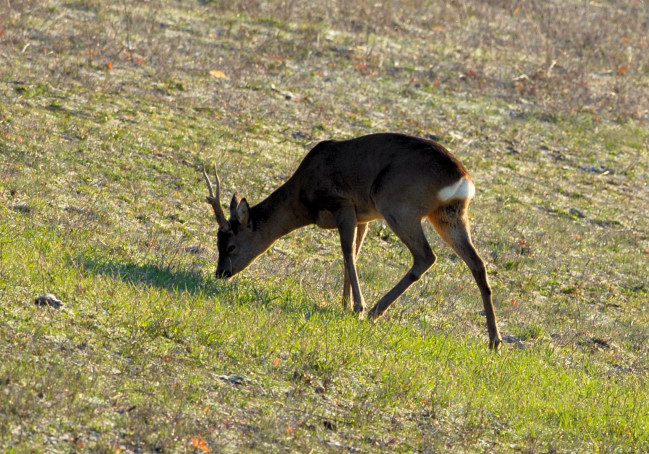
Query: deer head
x: 236, y: 241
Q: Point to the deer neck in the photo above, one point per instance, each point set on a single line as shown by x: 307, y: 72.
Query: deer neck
x: 280, y: 213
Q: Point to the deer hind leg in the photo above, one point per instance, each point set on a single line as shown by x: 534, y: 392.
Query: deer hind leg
x: 346, y: 222
x: 452, y: 224
x: 361, y: 232
x: 410, y: 232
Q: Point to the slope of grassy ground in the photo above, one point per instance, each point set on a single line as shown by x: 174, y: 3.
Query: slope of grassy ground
x: 107, y: 110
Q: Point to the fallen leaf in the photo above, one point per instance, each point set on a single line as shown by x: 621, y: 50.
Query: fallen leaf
x: 216, y: 74
x: 200, y: 444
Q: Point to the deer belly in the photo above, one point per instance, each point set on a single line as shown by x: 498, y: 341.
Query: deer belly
x: 325, y: 220
x: 367, y: 215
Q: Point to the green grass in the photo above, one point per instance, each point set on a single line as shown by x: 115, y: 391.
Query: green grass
x: 102, y: 204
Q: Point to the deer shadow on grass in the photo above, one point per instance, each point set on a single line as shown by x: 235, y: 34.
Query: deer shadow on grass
x: 197, y: 282
x: 163, y: 277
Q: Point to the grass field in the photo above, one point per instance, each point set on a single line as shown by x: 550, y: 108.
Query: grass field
x: 108, y: 109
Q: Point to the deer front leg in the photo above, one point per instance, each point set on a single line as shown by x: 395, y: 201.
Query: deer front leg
x: 413, y: 237
x: 361, y: 232
x: 346, y: 222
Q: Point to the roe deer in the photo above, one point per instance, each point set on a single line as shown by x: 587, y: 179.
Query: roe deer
x: 346, y: 184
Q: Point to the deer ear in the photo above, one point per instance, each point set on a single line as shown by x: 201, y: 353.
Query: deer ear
x: 243, y: 212
x: 239, y: 209
x: 234, y: 203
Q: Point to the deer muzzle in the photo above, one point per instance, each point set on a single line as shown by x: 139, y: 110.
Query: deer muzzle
x: 223, y: 274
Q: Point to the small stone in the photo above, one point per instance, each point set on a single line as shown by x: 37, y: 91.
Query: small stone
x: 233, y: 379
x: 21, y: 208
x: 511, y: 339
x: 196, y: 250
x: 48, y: 299
x: 576, y: 212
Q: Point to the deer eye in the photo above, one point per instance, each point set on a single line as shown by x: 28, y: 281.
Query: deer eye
x: 231, y: 249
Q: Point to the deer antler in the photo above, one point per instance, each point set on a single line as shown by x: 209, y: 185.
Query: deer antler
x: 213, y: 199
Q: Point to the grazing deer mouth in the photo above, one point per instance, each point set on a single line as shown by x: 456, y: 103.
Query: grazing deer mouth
x: 223, y: 274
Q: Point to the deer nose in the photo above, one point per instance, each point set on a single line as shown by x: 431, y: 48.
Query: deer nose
x: 223, y: 274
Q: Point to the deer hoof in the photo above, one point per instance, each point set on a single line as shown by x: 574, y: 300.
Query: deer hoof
x: 495, y: 344
x: 373, y: 316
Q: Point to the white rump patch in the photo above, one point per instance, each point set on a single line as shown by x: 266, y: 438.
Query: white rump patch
x: 462, y: 189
